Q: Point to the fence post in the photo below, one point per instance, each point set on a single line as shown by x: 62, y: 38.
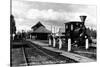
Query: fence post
x: 13, y: 36
x: 69, y: 44
x: 30, y: 36
x: 49, y: 41
x: 60, y: 43
x: 54, y: 42
x: 86, y: 44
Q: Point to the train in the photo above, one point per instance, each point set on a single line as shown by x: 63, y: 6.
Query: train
x: 76, y: 31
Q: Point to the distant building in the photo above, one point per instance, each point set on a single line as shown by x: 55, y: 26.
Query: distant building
x: 40, y: 32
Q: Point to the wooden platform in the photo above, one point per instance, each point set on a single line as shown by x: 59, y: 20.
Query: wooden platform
x: 73, y: 56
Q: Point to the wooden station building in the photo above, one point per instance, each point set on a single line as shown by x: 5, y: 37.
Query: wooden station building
x: 40, y: 32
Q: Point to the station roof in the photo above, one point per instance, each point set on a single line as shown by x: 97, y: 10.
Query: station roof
x: 39, y: 24
x: 41, y: 30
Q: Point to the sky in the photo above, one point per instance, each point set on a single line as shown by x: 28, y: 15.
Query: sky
x: 27, y: 13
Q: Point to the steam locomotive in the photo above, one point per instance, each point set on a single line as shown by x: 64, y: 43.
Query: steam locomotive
x: 76, y: 31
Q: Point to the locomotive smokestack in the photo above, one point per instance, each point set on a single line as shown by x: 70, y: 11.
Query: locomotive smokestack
x: 83, y: 18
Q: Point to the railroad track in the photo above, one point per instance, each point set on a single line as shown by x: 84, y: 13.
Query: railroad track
x: 28, y: 53
x: 34, y: 55
x: 25, y: 57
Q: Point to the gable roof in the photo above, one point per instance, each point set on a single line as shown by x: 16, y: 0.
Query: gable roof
x: 41, y: 30
x: 39, y: 24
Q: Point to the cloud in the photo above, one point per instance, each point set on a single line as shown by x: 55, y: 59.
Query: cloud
x: 53, y: 17
x: 19, y: 8
x: 29, y: 13
x: 50, y: 14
